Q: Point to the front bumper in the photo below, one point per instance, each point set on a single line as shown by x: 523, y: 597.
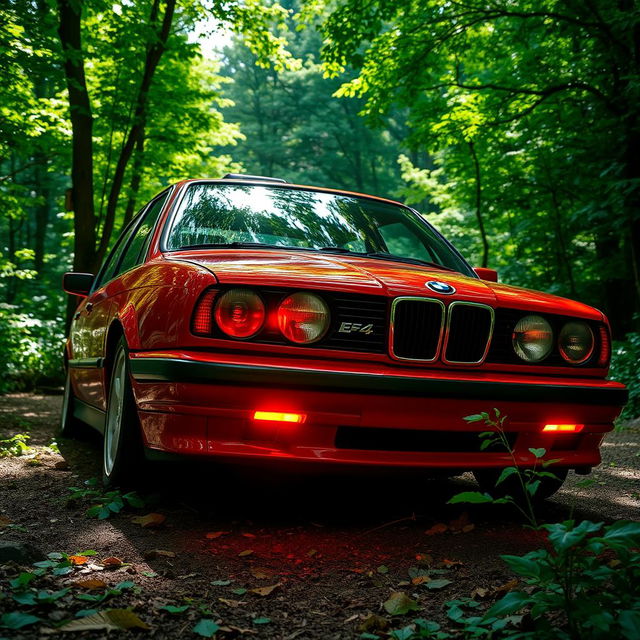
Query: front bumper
x: 361, y: 413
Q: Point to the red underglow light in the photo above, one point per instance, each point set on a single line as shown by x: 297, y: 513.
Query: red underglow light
x: 276, y: 416
x: 572, y: 428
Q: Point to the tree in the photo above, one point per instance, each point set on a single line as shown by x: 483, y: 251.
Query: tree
x: 546, y: 94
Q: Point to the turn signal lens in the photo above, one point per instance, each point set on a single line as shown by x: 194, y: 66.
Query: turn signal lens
x: 532, y: 338
x: 605, y: 347
x: 573, y: 428
x: 275, y: 416
x: 203, y: 314
x: 576, y: 342
x: 240, y: 313
x: 303, y: 318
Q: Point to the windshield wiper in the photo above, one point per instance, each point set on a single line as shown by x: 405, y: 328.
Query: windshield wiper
x: 384, y: 256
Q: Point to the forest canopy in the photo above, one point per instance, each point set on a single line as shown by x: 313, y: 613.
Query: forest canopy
x: 512, y: 125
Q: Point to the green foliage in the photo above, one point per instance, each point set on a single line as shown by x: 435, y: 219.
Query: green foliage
x: 14, y: 446
x: 584, y: 586
x: 625, y: 367
x: 30, y: 349
x: 104, y: 504
x: 524, y: 484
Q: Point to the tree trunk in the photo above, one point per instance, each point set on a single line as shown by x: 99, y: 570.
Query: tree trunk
x: 69, y: 31
x: 136, y: 177
x: 155, y: 49
x: 478, y: 191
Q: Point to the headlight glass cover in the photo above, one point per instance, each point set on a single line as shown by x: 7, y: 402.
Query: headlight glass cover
x: 303, y: 318
x: 576, y: 342
x: 532, y: 338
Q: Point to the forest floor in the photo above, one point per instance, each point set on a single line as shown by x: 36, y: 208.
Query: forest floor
x: 263, y: 555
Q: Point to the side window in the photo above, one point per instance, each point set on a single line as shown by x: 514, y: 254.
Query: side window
x: 401, y: 241
x: 138, y: 245
x: 107, y: 272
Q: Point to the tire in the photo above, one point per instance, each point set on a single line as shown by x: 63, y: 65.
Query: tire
x: 70, y: 426
x: 123, y: 454
x: 487, y: 479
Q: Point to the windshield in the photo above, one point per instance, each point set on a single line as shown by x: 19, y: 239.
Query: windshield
x: 218, y: 214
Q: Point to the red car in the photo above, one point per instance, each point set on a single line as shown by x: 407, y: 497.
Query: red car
x: 250, y: 318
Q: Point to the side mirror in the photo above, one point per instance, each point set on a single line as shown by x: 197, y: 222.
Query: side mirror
x: 77, y: 284
x: 490, y: 275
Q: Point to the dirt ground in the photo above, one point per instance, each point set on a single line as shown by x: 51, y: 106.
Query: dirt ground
x: 334, y: 549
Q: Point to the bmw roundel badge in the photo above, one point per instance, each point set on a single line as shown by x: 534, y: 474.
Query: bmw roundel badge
x: 440, y: 287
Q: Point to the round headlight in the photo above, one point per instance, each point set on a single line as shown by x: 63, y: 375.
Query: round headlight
x: 533, y: 338
x: 576, y: 342
x: 240, y: 313
x: 303, y: 318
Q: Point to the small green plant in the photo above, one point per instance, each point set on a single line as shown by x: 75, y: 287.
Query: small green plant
x: 14, y: 446
x: 104, y: 504
x: 625, y: 367
x: 527, y: 481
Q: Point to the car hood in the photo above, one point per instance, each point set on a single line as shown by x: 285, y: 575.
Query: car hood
x: 337, y: 272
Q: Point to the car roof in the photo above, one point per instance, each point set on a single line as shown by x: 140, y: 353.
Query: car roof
x: 281, y: 184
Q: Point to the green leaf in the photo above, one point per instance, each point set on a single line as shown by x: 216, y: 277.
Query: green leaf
x: 630, y: 624
x: 173, y: 609
x: 476, y: 417
x: 22, y: 580
x: 538, y: 453
x: 206, y: 628
x: 436, y: 584
x: 28, y: 598
x: 623, y: 531
x: 220, y: 583
x: 406, y: 633
x: 563, y: 536
x: 471, y: 497
x: 261, y: 620
x: 532, y: 487
x: 527, y: 566
x: 17, y: 620
x: 509, y: 471
x: 382, y: 569
x: 240, y: 591
x: 512, y: 602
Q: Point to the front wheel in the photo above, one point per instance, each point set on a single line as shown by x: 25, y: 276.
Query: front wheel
x: 487, y: 479
x: 123, y: 451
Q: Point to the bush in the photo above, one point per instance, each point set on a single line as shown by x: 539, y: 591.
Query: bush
x: 30, y: 350
x: 625, y: 367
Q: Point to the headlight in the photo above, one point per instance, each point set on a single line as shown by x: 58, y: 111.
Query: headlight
x: 532, y: 338
x: 303, y: 318
x: 240, y: 313
x: 576, y: 342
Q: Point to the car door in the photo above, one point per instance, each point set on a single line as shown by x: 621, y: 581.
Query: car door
x: 94, y: 315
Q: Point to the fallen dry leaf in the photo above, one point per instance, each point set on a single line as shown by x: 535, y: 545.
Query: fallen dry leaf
x: 61, y: 465
x: 265, y: 591
x: 158, y: 553
x: 399, y: 603
x: 91, y: 585
x: 451, y: 563
x: 461, y: 524
x: 261, y: 573
x: 420, y: 579
x: 508, y: 586
x: 212, y: 535
x: 78, y: 560
x: 106, y: 620
x: 248, y: 535
x: 232, y: 603
x: 4, y: 521
x: 437, y: 528
x: 312, y: 552
x: 373, y: 622
x: 112, y: 562
x: 246, y: 552
x: 480, y: 592
x: 150, y: 520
